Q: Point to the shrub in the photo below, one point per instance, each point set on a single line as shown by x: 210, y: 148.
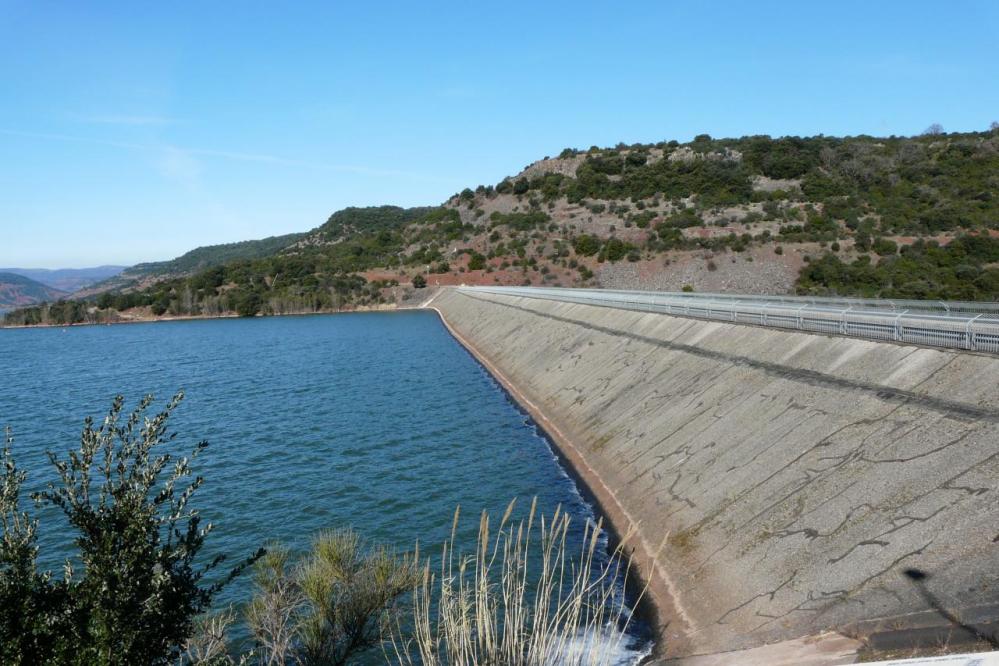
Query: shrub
x: 615, y: 249
x: 586, y: 245
x: 476, y: 262
x: 139, y: 542
x: 862, y: 240
x: 419, y: 282
x: 332, y: 606
x: 884, y: 247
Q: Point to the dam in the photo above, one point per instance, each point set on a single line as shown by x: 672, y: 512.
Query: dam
x: 780, y: 481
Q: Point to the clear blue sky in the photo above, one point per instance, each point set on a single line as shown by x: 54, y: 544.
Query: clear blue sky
x: 131, y: 133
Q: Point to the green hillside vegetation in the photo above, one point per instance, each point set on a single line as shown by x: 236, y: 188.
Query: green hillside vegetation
x: 216, y: 255
x: 916, y: 185
x: 198, y: 259
x: 923, y: 270
x: 352, y: 221
x: 913, y: 217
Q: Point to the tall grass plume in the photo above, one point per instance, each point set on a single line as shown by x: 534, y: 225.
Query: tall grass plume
x: 526, y: 597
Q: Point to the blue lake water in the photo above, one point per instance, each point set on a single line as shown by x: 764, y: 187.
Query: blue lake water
x: 379, y: 421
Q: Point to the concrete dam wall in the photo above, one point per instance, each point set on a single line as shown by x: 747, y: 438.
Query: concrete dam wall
x: 797, y: 475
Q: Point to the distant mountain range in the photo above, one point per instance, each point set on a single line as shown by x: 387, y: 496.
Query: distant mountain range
x: 18, y: 290
x: 67, y: 279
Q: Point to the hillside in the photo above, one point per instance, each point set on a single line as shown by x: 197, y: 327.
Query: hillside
x: 899, y: 217
x: 350, y: 222
x: 18, y: 291
x: 67, y: 279
x: 193, y: 261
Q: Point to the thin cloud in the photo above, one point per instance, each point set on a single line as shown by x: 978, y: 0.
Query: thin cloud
x: 229, y: 155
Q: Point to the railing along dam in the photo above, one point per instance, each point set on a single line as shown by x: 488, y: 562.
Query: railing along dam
x: 953, y: 324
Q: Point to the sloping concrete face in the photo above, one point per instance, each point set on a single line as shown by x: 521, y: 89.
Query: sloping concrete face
x: 797, y: 475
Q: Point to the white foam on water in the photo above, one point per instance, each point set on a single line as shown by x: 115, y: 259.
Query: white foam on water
x: 607, y: 647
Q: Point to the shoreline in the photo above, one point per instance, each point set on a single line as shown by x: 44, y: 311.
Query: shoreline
x: 657, y: 606
x: 389, y: 307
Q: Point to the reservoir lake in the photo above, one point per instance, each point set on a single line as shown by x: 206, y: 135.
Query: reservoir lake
x: 379, y: 421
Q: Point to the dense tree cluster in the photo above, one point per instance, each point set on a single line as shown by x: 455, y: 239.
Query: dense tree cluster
x: 959, y: 270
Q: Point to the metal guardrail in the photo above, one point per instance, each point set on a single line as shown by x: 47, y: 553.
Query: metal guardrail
x: 893, y: 305
x: 936, y: 324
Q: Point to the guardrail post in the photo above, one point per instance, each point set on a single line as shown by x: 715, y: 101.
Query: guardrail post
x: 898, y: 325
x: 969, y: 335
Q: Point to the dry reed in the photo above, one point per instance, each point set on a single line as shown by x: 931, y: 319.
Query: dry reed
x: 492, y: 608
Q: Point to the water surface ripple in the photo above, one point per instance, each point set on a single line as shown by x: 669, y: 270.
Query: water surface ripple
x: 380, y: 421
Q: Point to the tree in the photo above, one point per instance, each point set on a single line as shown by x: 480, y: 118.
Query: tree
x: 33, y: 630
x: 419, y: 282
x: 934, y: 130
x: 248, y: 303
x: 161, y: 304
x: 139, y: 543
